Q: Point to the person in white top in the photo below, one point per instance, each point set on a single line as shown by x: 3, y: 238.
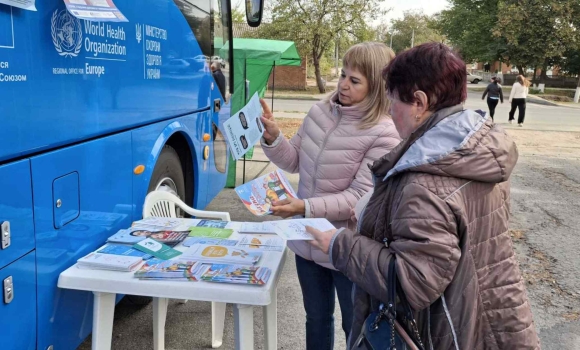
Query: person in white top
x: 518, y: 99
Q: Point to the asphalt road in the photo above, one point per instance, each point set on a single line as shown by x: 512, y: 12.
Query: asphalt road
x: 538, y: 117
x: 545, y: 206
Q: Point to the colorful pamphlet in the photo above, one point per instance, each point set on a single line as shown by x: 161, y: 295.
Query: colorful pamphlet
x: 295, y: 229
x: 214, y: 241
x: 262, y: 242
x: 158, y: 250
x: 239, y: 274
x: 221, y: 254
x: 174, y: 270
x: 109, y: 262
x: 265, y: 227
x: 213, y: 223
x: 121, y: 249
x: 258, y: 195
x: 134, y: 235
x: 158, y: 224
x: 210, y: 232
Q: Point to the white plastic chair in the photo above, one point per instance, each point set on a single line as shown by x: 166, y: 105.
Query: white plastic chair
x: 164, y: 204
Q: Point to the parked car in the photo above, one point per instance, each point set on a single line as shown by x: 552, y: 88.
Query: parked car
x: 474, y: 79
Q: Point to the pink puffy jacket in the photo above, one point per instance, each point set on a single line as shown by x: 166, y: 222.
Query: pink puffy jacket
x: 332, y: 155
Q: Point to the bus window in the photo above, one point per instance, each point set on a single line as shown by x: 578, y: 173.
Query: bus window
x: 221, y: 34
x: 197, y: 14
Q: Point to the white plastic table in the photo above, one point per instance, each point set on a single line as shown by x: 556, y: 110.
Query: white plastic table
x: 106, y: 284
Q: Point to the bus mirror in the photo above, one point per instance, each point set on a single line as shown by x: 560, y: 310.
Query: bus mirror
x: 254, y: 11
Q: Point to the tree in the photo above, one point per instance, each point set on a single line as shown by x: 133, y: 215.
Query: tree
x: 537, y: 32
x: 414, y: 25
x: 469, y: 26
x: 315, y: 25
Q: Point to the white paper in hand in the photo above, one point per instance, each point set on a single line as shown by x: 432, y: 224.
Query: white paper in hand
x: 295, y: 230
x: 245, y: 128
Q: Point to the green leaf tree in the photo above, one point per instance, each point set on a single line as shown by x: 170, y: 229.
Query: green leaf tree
x: 415, y: 28
x: 315, y: 25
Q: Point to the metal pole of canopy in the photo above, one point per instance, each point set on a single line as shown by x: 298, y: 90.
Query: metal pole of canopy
x: 273, y: 84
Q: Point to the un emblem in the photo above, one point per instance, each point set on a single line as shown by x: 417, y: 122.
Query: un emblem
x: 67, y: 35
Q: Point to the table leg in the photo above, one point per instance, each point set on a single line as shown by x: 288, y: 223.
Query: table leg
x: 270, y: 313
x: 159, y: 316
x: 103, y: 314
x: 244, y: 327
x: 218, y: 317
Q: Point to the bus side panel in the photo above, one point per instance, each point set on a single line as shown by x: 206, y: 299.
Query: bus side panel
x: 148, y: 143
x: 100, y: 173
x: 18, y: 318
x: 69, y: 80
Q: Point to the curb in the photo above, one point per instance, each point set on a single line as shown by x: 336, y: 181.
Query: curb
x: 304, y: 98
x: 540, y: 101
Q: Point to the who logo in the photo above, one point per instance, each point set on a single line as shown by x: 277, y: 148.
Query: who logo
x: 67, y: 35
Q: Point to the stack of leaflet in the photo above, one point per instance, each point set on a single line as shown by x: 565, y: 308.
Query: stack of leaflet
x: 173, y: 270
x: 221, y: 254
x: 121, y: 249
x: 238, y: 274
x: 109, y: 262
x: 257, y: 228
x: 135, y: 235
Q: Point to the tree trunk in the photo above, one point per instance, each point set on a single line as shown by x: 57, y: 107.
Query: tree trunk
x: 534, y: 77
x: 319, y: 82
x: 543, y: 75
x: 521, y: 70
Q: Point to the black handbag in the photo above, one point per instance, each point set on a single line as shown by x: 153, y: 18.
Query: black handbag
x: 382, y: 330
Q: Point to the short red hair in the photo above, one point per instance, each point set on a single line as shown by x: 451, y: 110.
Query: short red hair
x: 432, y: 68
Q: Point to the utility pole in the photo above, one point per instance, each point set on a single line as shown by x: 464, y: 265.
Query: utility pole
x: 391, y: 46
x: 413, y: 39
x: 336, y: 58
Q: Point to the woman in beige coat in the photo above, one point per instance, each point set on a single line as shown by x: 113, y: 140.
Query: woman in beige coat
x: 440, y: 207
x: 332, y: 151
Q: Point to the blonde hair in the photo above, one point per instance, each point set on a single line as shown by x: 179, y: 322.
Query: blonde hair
x: 522, y: 80
x: 370, y: 58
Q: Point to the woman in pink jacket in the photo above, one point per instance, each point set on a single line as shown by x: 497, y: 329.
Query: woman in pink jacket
x: 332, y: 151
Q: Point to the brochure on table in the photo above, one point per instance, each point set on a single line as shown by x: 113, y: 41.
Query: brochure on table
x: 258, y: 195
x: 245, y: 128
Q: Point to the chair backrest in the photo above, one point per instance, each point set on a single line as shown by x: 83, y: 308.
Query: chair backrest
x: 165, y: 204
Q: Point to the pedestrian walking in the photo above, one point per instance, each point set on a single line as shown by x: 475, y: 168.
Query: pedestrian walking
x: 518, y: 97
x: 332, y: 150
x: 494, y: 95
x: 437, y: 221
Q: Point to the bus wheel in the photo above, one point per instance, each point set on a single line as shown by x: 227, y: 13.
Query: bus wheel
x: 167, y: 176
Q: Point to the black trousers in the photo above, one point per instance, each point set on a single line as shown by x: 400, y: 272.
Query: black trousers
x: 520, y: 104
x: 492, y: 103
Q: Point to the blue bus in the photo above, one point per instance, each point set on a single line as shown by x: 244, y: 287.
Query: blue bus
x: 93, y: 116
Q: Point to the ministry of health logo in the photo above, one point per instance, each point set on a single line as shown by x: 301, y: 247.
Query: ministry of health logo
x: 67, y: 35
x: 138, y: 31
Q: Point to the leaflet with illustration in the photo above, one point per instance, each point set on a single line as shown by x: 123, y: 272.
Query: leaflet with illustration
x: 245, y: 128
x: 238, y: 274
x: 135, y: 235
x: 221, y: 254
x: 295, y: 229
x: 122, y: 249
x: 23, y: 4
x: 210, y: 232
x: 158, y: 224
x: 95, y: 10
x: 158, y: 250
x: 258, y: 195
x: 213, y: 241
x: 174, y: 270
x: 270, y: 243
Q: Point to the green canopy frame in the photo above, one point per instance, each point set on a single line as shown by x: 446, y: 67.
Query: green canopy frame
x: 254, y: 61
